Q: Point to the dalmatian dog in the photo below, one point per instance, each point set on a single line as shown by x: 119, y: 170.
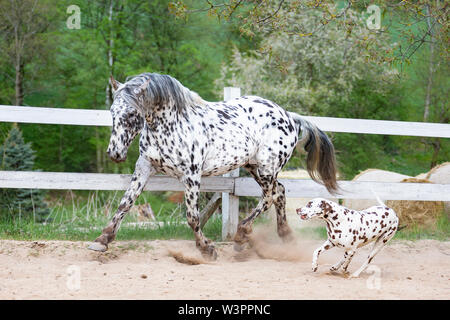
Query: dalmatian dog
x: 350, y: 229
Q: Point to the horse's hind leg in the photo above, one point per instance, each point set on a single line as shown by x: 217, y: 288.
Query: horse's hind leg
x: 267, y: 184
x: 141, y: 174
x: 279, y: 199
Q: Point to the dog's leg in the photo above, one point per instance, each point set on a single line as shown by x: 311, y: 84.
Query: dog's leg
x: 348, y: 255
x: 379, y: 244
x: 327, y: 245
x: 348, y: 259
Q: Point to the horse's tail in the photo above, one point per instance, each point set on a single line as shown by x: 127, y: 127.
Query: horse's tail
x: 321, y: 160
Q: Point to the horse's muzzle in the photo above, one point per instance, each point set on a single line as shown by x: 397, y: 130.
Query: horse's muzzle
x: 118, y: 160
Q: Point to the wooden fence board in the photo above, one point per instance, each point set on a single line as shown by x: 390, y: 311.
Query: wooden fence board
x: 102, y: 181
x: 103, y: 118
x: 352, y: 190
x: 295, y: 188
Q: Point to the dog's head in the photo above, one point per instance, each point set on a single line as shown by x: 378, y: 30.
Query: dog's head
x: 318, y: 207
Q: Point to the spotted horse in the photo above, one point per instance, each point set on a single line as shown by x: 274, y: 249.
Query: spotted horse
x: 184, y: 136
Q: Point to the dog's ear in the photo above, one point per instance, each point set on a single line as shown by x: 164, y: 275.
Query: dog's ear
x: 325, y: 206
x: 114, y: 83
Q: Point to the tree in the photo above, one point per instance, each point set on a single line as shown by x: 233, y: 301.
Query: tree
x: 432, y: 84
x: 17, y: 155
x: 21, y: 24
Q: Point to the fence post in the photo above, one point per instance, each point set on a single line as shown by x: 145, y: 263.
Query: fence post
x: 230, y: 203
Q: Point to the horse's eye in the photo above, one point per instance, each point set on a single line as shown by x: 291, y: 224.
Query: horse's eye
x: 125, y: 117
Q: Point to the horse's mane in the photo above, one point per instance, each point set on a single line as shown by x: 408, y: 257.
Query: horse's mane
x: 159, y: 90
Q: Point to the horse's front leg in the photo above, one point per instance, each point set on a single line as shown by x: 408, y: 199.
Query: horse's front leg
x: 140, y: 176
x: 191, y: 194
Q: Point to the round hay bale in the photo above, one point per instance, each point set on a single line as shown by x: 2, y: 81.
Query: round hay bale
x: 417, y: 213
x: 440, y: 174
x: 372, y: 175
x: 422, y: 175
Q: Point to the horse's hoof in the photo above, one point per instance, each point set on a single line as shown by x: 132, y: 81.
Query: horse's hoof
x: 213, y: 256
x: 241, y: 246
x: 288, y: 238
x: 210, y: 253
x: 238, y: 247
x: 97, y: 246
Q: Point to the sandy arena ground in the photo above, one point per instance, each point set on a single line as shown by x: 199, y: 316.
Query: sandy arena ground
x: 270, y: 270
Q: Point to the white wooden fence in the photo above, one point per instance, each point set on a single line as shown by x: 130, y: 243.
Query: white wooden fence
x: 232, y: 186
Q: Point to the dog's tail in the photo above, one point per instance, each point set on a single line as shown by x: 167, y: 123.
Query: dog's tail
x: 380, y: 202
x: 321, y: 160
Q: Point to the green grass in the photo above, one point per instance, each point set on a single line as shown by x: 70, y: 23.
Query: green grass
x: 313, y: 232
x: 171, y: 229
x: 441, y: 231
x: 82, y: 217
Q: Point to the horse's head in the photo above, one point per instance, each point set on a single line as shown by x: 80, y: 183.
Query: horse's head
x: 127, y: 122
x: 141, y: 98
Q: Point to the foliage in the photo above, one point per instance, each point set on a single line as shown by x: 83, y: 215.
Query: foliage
x: 413, y: 21
x: 308, y: 74
x: 17, y: 155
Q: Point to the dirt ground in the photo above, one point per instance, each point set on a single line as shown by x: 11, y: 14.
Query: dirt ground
x: 269, y: 270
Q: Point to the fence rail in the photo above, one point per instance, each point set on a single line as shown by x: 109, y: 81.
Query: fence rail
x: 103, y: 118
x: 237, y: 186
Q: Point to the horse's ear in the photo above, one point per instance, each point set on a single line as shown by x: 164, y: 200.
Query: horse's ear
x: 114, y: 83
